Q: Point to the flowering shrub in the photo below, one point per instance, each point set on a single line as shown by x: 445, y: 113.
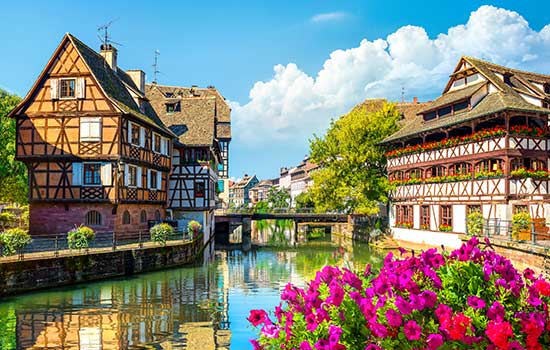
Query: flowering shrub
x: 433, y: 179
x: 445, y: 228
x: 80, y: 237
x: 521, y: 223
x: 194, y: 228
x: 523, y: 173
x: 471, y: 298
x: 474, y: 223
x: 404, y: 224
x: 481, y: 175
x: 160, y: 232
x: 520, y: 130
x: 13, y: 240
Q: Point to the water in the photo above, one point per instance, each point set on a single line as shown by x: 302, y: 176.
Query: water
x: 198, y: 307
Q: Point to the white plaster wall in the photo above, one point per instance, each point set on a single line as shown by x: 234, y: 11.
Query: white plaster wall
x: 450, y: 240
x: 459, y: 218
x: 416, y: 216
x: 434, y: 217
x: 532, y: 100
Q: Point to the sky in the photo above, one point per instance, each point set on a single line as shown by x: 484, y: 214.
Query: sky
x: 286, y: 67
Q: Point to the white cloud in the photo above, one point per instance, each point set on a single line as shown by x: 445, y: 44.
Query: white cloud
x: 327, y: 17
x: 287, y: 109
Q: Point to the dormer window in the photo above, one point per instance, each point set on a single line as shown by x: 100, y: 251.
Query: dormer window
x: 430, y: 116
x: 172, y: 107
x: 67, y: 88
x: 547, y: 88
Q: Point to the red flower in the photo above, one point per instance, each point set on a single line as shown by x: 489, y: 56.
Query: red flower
x: 542, y: 287
x: 499, y: 333
x: 257, y: 317
x: 458, y: 326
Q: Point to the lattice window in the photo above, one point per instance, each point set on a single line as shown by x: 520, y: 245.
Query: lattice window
x: 93, y: 218
x: 126, y: 217
x: 425, y: 217
x: 446, y: 215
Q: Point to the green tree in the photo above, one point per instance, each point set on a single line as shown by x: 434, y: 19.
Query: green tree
x: 304, y: 201
x: 278, y: 197
x: 13, y: 174
x: 352, y: 174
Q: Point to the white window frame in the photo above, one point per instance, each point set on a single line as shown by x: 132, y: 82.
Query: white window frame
x: 89, y: 121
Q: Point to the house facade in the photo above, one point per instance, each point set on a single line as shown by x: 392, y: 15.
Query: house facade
x: 200, y: 118
x: 260, y: 192
x: 300, y: 178
x: 239, y: 192
x: 481, y: 146
x: 96, y: 152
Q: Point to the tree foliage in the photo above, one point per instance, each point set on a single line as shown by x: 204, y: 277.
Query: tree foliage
x: 352, y: 174
x: 13, y: 174
x: 304, y: 201
x: 278, y: 197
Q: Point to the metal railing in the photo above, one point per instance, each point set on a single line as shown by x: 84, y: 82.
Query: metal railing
x: 275, y: 211
x: 535, y: 232
x: 55, y: 245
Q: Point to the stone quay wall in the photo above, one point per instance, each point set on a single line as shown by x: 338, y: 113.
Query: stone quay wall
x: 28, y: 275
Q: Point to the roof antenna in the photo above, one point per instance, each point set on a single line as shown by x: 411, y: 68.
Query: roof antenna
x: 402, y: 93
x: 155, y: 67
x: 105, y: 37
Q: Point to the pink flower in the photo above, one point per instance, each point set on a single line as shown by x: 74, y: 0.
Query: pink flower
x: 270, y: 331
x: 498, y: 333
x: 434, y: 341
x: 257, y: 317
x: 255, y: 344
x: 475, y: 302
x: 305, y: 345
x: 334, y: 333
x: 412, y: 330
x: 394, y: 318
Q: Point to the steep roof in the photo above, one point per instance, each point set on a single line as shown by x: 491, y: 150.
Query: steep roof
x: 113, y: 84
x: 506, y: 98
x: 245, y: 181
x: 197, y: 122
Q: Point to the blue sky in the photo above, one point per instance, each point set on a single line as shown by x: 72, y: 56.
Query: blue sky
x: 287, y: 67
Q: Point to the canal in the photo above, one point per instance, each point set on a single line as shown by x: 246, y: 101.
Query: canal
x: 197, y: 307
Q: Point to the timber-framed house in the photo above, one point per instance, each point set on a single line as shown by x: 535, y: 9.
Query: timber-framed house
x: 96, y: 152
x: 200, y: 118
x: 481, y: 146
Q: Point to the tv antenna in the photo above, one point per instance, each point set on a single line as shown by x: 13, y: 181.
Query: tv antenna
x: 155, y: 66
x: 105, y: 37
x: 402, y: 93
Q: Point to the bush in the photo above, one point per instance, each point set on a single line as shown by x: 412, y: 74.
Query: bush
x: 80, y: 237
x: 445, y: 228
x: 7, y: 219
x: 471, y: 298
x: 520, y: 226
x: 13, y: 240
x: 160, y: 232
x: 474, y: 223
x: 194, y: 228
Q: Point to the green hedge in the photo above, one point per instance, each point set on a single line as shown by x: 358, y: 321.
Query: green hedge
x: 14, y: 240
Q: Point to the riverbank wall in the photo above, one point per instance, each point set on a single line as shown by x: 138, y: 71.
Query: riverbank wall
x: 41, y: 273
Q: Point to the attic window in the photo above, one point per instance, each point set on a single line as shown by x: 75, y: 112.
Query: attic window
x: 169, y: 94
x: 460, y: 106
x: 506, y: 78
x: 173, y: 107
x: 67, y: 88
x: 430, y: 116
x: 444, y: 111
x: 547, y: 88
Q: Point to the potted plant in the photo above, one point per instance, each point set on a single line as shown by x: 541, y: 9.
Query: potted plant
x: 161, y: 232
x: 194, y: 229
x: 80, y: 237
x: 521, y: 223
x: 445, y: 228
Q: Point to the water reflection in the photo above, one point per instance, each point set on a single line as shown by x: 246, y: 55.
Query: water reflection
x: 201, y: 307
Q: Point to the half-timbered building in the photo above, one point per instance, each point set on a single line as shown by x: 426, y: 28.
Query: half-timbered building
x: 200, y: 118
x: 96, y: 152
x: 482, y: 145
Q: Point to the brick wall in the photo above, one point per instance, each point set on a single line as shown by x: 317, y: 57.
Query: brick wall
x: 55, y: 218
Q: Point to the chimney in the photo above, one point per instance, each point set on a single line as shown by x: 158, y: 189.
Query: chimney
x: 415, y: 100
x: 138, y: 77
x: 109, y: 53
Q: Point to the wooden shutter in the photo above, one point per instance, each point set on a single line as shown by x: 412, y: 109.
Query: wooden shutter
x: 107, y: 174
x: 77, y: 174
x: 139, y: 179
x: 54, y: 89
x: 142, y: 137
x: 129, y: 131
x: 162, y: 146
x: 80, y: 88
x: 126, y: 175
x: 159, y: 180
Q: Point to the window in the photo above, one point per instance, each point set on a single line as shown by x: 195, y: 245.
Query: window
x: 436, y: 171
x: 93, y: 218
x: 547, y: 88
x: 67, y: 88
x: 415, y: 174
x: 90, y: 129
x: 135, y: 134
x: 520, y: 209
x: 430, y: 116
x: 489, y: 165
x: 460, y: 106
x: 132, y: 176
x: 156, y: 143
x: 472, y: 78
x: 473, y: 209
x: 221, y: 185
x: 462, y: 169
x: 126, y: 217
x: 444, y: 111
x: 92, y: 174
x: 173, y: 107
x: 143, y: 217
x: 153, y: 183
x: 199, y: 189
x: 425, y: 217
x: 446, y: 213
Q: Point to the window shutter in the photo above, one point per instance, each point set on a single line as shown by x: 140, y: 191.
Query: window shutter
x: 149, y: 178
x: 80, y: 87
x: 139, y: 179
x: 77, y: 174
x: 159, y: 180
x: 142, y: 137
x: 129, y: 131
x: 54, y: 88
x: 162, y: 146
x: 126, y: 175
x: 107, y: 174
x: 84, y: 129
